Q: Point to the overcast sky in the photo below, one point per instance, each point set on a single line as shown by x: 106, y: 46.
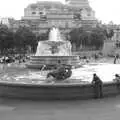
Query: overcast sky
x: 106, y: 10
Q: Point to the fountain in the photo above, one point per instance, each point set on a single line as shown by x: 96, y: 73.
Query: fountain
x: 52, y: 51
x: 22, y: 82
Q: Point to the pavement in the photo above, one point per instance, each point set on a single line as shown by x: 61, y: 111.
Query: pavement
x: 100, y: 109
x: 92, y: 109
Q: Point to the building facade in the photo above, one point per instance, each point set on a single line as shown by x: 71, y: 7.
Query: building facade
x: 41, y: 16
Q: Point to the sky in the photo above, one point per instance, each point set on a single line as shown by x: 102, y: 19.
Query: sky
x: 105, y: 10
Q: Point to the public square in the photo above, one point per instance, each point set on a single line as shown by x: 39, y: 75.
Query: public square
x: 59, y: 60
x: 100, y: 109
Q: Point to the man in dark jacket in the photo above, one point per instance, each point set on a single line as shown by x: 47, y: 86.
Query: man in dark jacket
x: 117, y: 80
x: 98, y: 86
x: 116, y: 58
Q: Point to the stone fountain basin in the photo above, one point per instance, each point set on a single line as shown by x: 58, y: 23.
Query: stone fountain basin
x: 37, y: 62
x: 61, y: 90
x: 53, y: 91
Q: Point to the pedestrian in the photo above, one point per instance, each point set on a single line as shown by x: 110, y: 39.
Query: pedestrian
x: 96, y: 56
x: 115, y: 58
x: 98, y: 86
x: 117, y: 80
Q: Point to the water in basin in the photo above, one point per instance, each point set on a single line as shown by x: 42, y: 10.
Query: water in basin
x: 84, y: 74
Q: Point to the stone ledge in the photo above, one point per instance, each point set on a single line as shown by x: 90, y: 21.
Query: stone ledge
x: 54, y: 91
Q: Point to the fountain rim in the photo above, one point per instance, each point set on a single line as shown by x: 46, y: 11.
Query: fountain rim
x: 55, y: 56
x: 48, y: 84
x: 51, y: 85
x: 52, y: 91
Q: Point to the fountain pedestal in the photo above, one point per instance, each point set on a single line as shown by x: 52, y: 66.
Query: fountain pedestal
x: 53, y: 52
x: 37, y: 62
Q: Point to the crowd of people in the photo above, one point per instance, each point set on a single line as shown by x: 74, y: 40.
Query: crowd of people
x: 12, y: 61
x: 100, y: 57
x: 13, y: 58
x: 90, y: 58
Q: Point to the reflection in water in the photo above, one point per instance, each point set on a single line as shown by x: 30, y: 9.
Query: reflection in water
x: 105, y: 71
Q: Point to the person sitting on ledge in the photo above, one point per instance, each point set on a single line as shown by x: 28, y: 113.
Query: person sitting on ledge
x: 117, y: 80
x: 98, y: 86
x: 61, y: 73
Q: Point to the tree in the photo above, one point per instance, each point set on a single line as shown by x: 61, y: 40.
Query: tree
x: 44, y: 36
x: 97, y: 40
x: 24, y: 37
x: 97, y: 37
x: 109, y: 33
x: 75, y: 35
x: 86, y: 38
x: 6, y: 39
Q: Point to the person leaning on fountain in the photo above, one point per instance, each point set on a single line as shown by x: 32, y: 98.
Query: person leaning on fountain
x: 98, y: 86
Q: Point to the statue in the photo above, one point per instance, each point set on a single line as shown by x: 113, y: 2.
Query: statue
x: 61, y: 73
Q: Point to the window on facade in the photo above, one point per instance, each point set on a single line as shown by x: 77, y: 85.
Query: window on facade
x: 77, y: 16
x: 34, y: 27
x: 33, y: 13
x: 88, y: 14
x: 40, y: 13
x: 43, y: 17
x: 117, y: 44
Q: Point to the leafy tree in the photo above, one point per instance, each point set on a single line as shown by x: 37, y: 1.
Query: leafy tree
x: 88, y: 38
x: 24, y: 37
x: 97, y: 37
x: 109, y: 33
x: 44, y: 36
x: 6, y: 39
x: 75, y: 36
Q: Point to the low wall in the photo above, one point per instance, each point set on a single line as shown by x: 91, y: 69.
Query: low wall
x: 54, y: 92
x: 87, y: 53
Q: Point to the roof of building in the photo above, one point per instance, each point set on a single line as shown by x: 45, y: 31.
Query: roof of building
x: 45, y: 4
x: 78, y: 3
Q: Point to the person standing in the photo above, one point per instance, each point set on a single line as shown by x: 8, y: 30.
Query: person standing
x: 98, y: 86
x: 115, y: 58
